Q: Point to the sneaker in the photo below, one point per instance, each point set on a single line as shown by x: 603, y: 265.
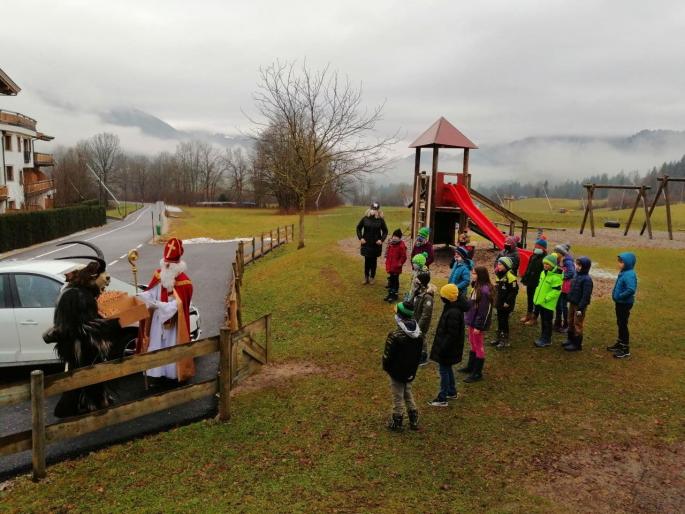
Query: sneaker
x: 452, y: 396
x: 372, y: 281
x: 502, y: 344
x: 572, y: 347
x: 622, y: 353
x: 366, y: 281
x: 614, y: 347
x: 413, y: 419
x: 438, y: 403
x: 532, y: 321
x: 542, y: 344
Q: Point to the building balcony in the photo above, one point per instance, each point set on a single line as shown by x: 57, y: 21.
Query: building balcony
x: 17, y: 119
x: 4, y: 194
x: 43, y: 159
x: 36, y: 188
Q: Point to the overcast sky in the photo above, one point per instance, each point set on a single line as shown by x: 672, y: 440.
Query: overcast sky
x: 498, y: 70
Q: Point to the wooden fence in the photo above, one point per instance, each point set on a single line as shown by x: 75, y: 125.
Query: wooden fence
x: 242, y: 350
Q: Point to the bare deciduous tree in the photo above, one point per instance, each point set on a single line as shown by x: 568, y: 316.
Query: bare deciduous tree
x: 104, y: 155
x: 314, y: 131
x: 237, y: 167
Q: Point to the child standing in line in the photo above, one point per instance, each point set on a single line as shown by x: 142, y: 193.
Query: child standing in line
x: 423, y: 245
x: 448, y: 344
x: 418, y: 265
x: 531, y: 278
x: 510, y: 250
x: 507, y: 288
x: 423, y: 309
x: 568, y: 269
x: 395, y: 257
x: 546, y: 298
x: 578, y: 299
x: 478, y: 319
x: 461, y: 269
x: 400, y: 361
x: 624, y: 298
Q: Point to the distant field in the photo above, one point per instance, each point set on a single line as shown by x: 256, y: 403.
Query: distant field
x: 124, y: 209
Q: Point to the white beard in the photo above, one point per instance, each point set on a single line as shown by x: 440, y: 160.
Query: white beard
x: 168, y: 272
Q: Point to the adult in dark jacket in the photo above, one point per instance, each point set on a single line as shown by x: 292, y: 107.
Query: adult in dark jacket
x: 448, y: 344
x: 531, y: 278
x: 578, y: 298
x: 510, y: 250
x: 400, y: 361
x: 371, y: 232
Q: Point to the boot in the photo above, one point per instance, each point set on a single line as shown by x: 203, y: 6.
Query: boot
x: 563, y: 329
x: 557, y: 325
x: 469, y: 367
x: 366, y: 280
x: 503, y: 342
x: 413, y: 419
x: 576, y: 344
x: 614, y: 346
x: 395, y: 423
x: 532, y: 321
x: 372, y: 280
x: 477, y: 373
x: 527, y: 317
x: 392, y: 297
x: 497, y: 339
x: 623, y: 351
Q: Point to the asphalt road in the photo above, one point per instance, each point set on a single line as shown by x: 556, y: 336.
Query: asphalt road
x: 209, y: 267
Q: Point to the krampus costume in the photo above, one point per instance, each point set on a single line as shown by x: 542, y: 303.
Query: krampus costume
x: 82, y: 336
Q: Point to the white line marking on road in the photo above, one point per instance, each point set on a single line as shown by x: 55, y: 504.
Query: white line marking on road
x: 122, y: 256
x: 62, y: 248
x: 113, y: 262
x: 139, y: 246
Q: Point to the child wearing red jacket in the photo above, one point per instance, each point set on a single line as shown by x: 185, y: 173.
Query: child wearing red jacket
x: 395, y: 257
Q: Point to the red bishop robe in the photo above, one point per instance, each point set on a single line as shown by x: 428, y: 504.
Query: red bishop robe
x: 183, y: 293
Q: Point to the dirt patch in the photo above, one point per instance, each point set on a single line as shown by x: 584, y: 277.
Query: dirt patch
x: 331, y: 276
x: 614, y: 238
x: 274, y: 375
x: 617, y: 478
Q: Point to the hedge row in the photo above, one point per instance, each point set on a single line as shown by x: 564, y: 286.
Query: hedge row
x: 22, y: 229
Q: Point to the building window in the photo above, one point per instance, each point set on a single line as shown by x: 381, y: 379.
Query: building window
x: 21, y: 177
x: 27, y: 151
x: 10, y: 173
x: 13, y: 205
x: 18, y: 144
x: 8, y: 143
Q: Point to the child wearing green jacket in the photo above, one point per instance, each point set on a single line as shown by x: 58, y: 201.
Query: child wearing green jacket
x: 546, y: 297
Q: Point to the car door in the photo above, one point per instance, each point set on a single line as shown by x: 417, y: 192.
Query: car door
x: 34, y: 307
x: 9, y: 342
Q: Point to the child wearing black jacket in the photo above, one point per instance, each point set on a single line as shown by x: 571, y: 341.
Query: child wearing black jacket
x: 401, y: 360
x: 507, y: 290
x: 578, y: 299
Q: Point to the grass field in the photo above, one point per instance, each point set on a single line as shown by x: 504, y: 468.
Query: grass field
x: 125, y: 208
x: 317, y: 443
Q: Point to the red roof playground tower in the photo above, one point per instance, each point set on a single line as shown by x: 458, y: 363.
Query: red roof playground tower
x: 441, y: 200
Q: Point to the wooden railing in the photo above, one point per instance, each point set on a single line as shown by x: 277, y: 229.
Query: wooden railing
x: 4, y: 193
x: 15, y: 118
x: 42, y: 186
x: 43, y: 159
x: 240, y: 354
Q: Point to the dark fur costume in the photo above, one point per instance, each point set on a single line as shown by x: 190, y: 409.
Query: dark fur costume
x: 84, y: 338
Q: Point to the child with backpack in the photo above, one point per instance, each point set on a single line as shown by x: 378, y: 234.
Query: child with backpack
x: 422, y: 301
x: 578, y: 299
x: 623, y: 295
x: 546, y: 297
x: 461, y: 269
x: 568, y: 269
x: 448, y: 344
x: 478, y: 320
x: 507, y: 289
x: 400, y: 361
x: 531, y: 278
x: 395, y: 257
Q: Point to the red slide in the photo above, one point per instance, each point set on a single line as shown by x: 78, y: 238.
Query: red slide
x: 458, y: 194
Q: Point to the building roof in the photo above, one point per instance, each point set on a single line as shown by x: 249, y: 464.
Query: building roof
x: 442, y: 134
x: 7, y: 85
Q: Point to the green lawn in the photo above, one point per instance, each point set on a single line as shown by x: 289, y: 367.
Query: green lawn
x: 318, y: 443
x: 124, y: 208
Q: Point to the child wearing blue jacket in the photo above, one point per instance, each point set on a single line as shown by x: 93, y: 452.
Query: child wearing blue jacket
x: 578, y: 298
x: 461, y: 269
x: 624, y: 298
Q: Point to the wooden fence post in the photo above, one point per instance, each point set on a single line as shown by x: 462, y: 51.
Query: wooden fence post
x: 267, y: 323
x: 278, y: 236
x: 37, y: 425
x: 254, y: 251
x: 261, y: 246
x: 271, y: 239
x: 241, y: 256
x: 225, y: 373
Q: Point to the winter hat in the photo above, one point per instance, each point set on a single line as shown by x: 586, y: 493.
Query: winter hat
x: 375, y: 206
x: 397, y: 233
x: 510, y: 241
x: 424, y: 278
x: 424, y: 232
x: 563, y: 249
x: 541, y: 243
x: 405, y: 310
x: 419, y: 260
x: 463, y: 252
x: 508, y: 263
x: 551, y: 260
x: 449, y: 292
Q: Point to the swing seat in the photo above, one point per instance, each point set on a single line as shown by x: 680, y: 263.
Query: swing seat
x: 612, y: 224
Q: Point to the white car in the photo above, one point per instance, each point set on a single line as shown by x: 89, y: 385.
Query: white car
x: 28, y: 295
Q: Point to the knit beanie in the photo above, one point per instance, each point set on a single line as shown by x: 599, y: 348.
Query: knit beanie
x: 375, y: 206
x: 563, y: 249
x: 397, y: 233
x: 510, y: 241
x: 424, y: 278
x: 551, y: 260
x: 508, y: 263
x: 556, y: 257
x: 463, y: 252
x: 449, y: 292
x: 419, y: 260
x: 541, y: 243
x: 424, y: 232
x: 405, y: 310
